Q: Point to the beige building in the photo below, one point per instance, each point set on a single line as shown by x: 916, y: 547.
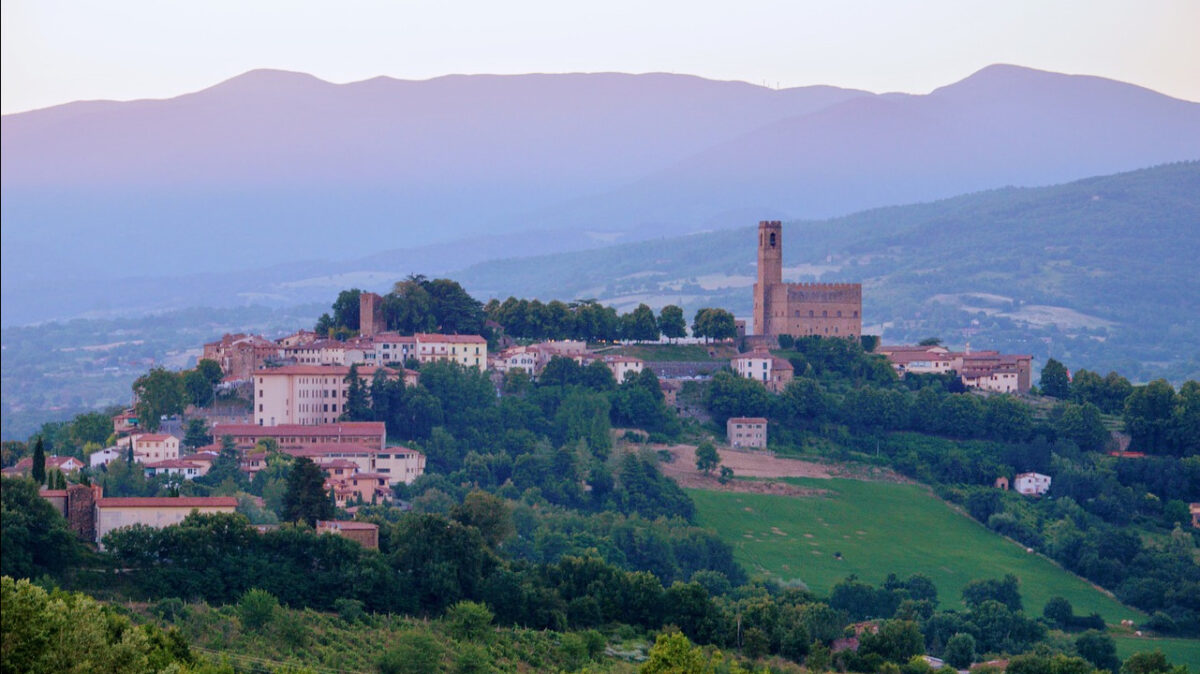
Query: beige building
x: 390, y: 347
x: 984, y: 370
x: 515, y: 358
x: 622, y: 366
x: 183, y: 468
x: 365, y: 534
x: 156, y: 512
x: 750, y: 432
x: 399, y: 464
x: 305, y: 394
x: 467, y: 350
x: 773, y: 372
x: 152, y: 447
x: 800, y: 309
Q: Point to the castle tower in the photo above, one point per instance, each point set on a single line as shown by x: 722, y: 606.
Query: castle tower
x: 770, y: 272
x: 370, y: 314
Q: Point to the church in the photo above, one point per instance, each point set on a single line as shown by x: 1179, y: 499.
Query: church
x: 800, y: 309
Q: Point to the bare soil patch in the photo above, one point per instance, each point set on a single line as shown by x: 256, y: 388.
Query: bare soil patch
x: 763, y: 466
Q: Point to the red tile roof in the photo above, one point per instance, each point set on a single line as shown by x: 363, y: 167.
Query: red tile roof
x: 748, y: 420
x: 449, y: 339
x: 302, y: 430
x: 167, y: 502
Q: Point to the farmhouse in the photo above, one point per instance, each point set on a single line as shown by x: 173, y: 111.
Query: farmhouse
x: 775, y: 373
x: 1031, y: 484
x: 750, y: 432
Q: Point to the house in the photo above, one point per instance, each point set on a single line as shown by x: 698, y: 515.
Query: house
x: 1031, y: 484
x: 125, y: 422
x: 104, y: 456
x: 156, y: 512
x: 390, y: 347
x: 66, y: 464
x: 773, y: 372
x: 179, y: 467
x: 239, y: 355
x: 1194, y: 509
x: 749, y: 432
x: 365, y: 534
x: 306, y: 394
x: 623, y: 366
x: 400, y: 464
x: 367, y: 487
x: 515, y: 358
x: 151, y: 447
x: 466, y: 350
x: 984, y: 370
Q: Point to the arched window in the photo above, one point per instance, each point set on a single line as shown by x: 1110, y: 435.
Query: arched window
x: 772, y: 239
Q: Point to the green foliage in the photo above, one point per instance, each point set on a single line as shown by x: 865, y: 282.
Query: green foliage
x: 257, y: 609
x: 1059, y: 612
x: 671, y: 322
x: 39, y: 462
x: 1004, y: 590
x: 640, y: 325
x: 468, y: 620
x: 411, y: 653
x: 487, y: 513
x: 68, y: 632
x: 960, y: 651
x: 729, y: 395
x: 714, y: 323
x: 197, y: 434
x: 35, y: 536
x: 896, y: 641
x: 707, y: 458
x: 159, y: 393
x: 306, y: 500
x: 1099, y: 649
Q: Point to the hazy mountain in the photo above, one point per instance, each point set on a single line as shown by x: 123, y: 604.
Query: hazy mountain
x: 234, y: 183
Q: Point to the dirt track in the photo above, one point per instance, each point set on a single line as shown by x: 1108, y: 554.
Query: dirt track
x: 755, y: 464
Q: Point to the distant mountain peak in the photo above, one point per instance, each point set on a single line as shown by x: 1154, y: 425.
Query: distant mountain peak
x: 268, y: 79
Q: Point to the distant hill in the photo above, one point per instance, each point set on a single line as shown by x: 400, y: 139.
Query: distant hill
x: 1099, y: 272
x: 273, y: 167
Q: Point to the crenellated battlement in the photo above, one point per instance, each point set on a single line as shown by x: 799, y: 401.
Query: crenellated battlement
x: 800, y: 309
x: 812, y: 285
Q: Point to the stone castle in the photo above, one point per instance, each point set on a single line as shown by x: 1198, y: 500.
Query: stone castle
x: 800, y: 309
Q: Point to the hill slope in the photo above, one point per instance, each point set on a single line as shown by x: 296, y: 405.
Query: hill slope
x: 1099, y: 271
x: 880, y: 528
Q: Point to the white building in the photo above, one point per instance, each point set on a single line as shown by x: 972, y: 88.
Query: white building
x: 305, y: 394
x: 1031, y: 484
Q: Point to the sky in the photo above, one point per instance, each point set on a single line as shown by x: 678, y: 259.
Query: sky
x: 56, y: 51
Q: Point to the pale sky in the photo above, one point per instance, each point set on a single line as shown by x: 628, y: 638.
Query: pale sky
x: 55, y: 51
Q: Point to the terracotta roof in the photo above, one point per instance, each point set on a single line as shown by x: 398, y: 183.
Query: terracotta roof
x: 320, y: 370
x: 167, y: 502
x: 370, y: 476
x: 748, y: 420
x: 449, y: 339
x: 346, y: 525
x: 393, y: 338
x: 200, y: 456
x: 326, y: 448
x: 153, y: 437
x: 171, y: 463
x: 316, y: 430
x: 339, y: 463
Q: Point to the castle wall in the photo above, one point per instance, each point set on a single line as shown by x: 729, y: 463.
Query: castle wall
x: 800, y: 309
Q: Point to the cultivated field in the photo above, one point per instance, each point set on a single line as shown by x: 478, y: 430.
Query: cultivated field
x: 880, y: 528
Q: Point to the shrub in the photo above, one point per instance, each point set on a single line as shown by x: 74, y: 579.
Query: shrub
x: 257, y: 608
x: 350, y: 610
x: 411, y: 653
x: 468, y: 620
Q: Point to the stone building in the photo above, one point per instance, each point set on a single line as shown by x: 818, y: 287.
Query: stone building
x: 800, y: 309
x: 746, y: 432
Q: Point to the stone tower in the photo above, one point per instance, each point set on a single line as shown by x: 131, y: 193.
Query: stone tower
x: 370, y: 314
x: 770, y: 273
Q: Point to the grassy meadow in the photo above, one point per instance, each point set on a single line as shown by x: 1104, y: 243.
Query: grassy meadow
x: 880, y: 528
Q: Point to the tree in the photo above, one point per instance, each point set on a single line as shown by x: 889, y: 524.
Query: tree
x: 930, y: 341
x: 707, y: 458
x: 469, y: 621
x: 36, y: 538
x: 345, y: 309
x: 640, y: 325
x: 716, y: 324
x: 896, y: 641
x: 1004, y: 591
x: 197, y: 434
x: 960, y: 651
x: 39, y: 462
x: 305, y: 499
x: 487, y: 513
x: 199, y: 388
x: 1081, y: 424
x: 159, y: 393
x: 1055, y: 382
x: 357, y: 406
x: 726, y: 474
x: 1148, y: 415
x: 1059, y: 612
x: 1099, y: 649
x: 257, y: 609
x: 671, y: 322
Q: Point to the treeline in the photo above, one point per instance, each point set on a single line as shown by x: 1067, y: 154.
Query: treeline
x: 418, y: 304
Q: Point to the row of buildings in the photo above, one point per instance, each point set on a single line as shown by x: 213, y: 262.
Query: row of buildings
x: 241, y: 356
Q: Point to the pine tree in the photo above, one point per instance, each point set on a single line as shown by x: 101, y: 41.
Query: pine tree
x: 306, y: 499
x: 1055, y: 382
x: 39, y: 462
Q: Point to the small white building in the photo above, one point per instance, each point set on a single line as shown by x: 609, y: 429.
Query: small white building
x: 185, y: 469
x: 1031, y: 484
x: 104, y: 456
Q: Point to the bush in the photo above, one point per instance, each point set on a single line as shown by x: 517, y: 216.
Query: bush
x: 412, y: 653
x: 350, y: 610
x: 257, y: 608
x: 169, y: 609
x: 960, y: 651
x: 469, y: 620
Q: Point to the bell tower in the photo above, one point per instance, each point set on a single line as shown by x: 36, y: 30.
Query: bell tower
x: 770, y: 272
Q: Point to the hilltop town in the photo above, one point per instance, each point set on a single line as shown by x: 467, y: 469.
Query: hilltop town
x: 402, y: 410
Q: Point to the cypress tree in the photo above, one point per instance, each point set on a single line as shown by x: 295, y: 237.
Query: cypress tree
x: 39, y: 462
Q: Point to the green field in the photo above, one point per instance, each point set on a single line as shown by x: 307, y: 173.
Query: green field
x: 882, y: 528
x: 1178, y: 651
